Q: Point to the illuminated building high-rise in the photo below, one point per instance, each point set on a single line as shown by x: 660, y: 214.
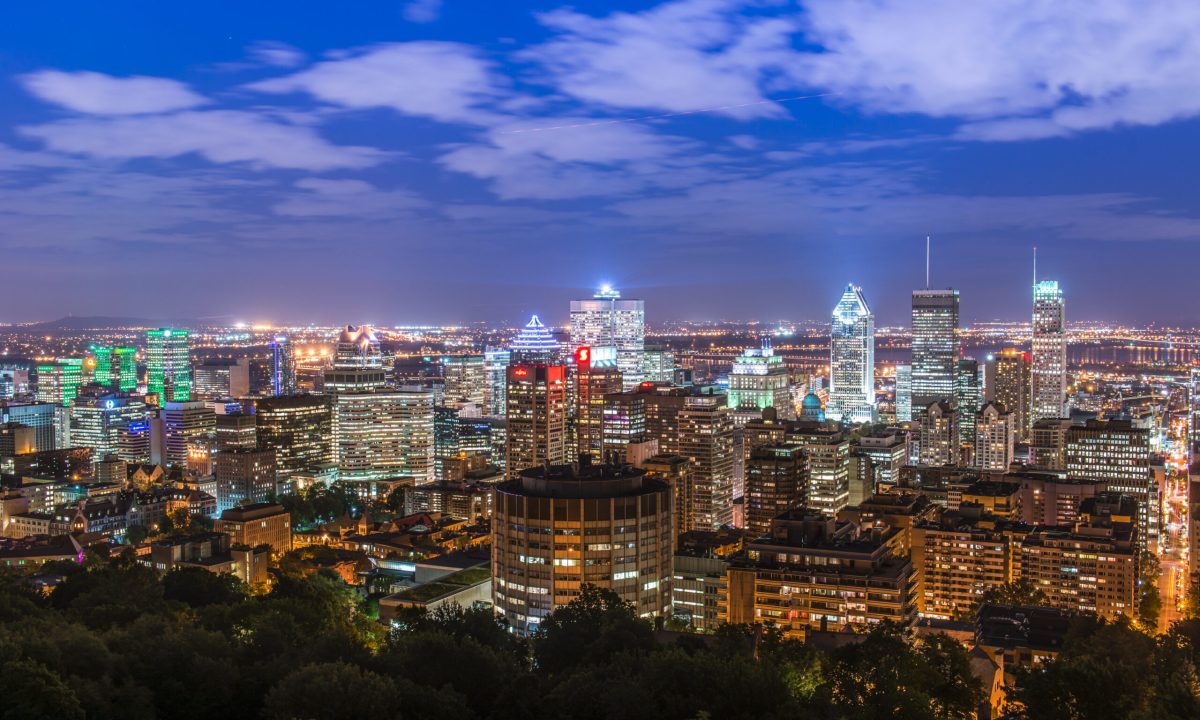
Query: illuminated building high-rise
x: 706, y: 438
x: 116, y: 367
x: 903, y: 393
x: 994, y: 436
x: 495, y: 363
x: 97, y: 419
x: 466, y: 379
x: 357, y: 347
x: 534, y: 344
x: 557, y: 527
x: 169, y: 364
x: 299, y: 428
x: 39, y: 416
x: 58, y: 382
x: 1118, y: 454
x: 1008, y: 382
x: 608, y: 321
x: 596, y: 376
x: 776, y: 476
x: 759, y: 380
x: 852, y: 360
x: 176, y: 425
x: 244, y: 476
x: 939, y: 436
x: 536, y: 397
x: 935, y: 346
x: 969, y: 396
x: 1049, y: 378
x: 283, y: 366
x: 384, y: 433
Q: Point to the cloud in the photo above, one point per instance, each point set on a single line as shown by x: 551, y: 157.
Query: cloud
x: 220, y: 136
x: 678, y: 56
x: 355, y: 198
x: 98, y: 94
x: 443, y: 81
x: 422, y: 11
x: 275, y: 54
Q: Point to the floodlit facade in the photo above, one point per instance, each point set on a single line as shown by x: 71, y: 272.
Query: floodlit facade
x: 1008, y: 383
x: 169, y: 364
x: 935, y: 346
x: 495, y: 365
x: 535, y: 344
x: 759, y: 380
x: 608, y: 321
x: 283, y: 366
x: 58, y: 382
x: 384, y: 433
x: 1049, y: 375
x: 852, y: 360
x: 995, y: 433
x: 537, y: 417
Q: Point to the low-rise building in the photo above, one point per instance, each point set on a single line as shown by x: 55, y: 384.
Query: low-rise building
x: 258, y: 524
x: 213, y: 552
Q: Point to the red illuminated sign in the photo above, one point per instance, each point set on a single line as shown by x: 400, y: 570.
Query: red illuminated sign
x: 583, y: 356
x: 520, y: 372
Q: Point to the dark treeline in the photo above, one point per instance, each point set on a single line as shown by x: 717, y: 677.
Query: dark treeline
x: 117, y: 640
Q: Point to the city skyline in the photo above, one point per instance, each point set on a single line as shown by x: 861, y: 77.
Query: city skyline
x: 335, y: 160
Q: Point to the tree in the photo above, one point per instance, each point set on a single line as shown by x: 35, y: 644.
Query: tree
x: 592, y: 628
x: 198, y: 587
x: 1020, y: 592
x: 33, y: 692
x: 337, y: 691
x: 135, y: 534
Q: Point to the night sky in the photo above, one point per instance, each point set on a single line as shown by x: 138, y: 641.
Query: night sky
x: 480, y: 160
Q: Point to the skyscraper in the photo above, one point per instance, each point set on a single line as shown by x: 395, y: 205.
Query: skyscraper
x: 706, y: 438
x: 384, y: 433
x: 969, y: 396
x: 537, y: 417
x: 299, y: 428
x: 466, y: 379
x: 495, y: 362
x: 903, y: 393
x: 759, y: 380
x: 935, y: 346
x: 994, y: 437
x: 534, y: 344
x: 283, y: 366
x: 116, y: 367
x: 1008, y: 382
x: 852, y: 360
x: 608, y: 321
x: 58, y: 382
x: 1049, y: 394
x: 169, y: 365
x: 596, y: 376
x: 97, y: 419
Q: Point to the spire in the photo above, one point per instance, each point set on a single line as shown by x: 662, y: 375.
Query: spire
x: 926, y: 262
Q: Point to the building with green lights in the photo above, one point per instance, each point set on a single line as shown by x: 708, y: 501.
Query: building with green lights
x: 169, y: 364
x: 759, y: 380
x: 115, y: 367
x: 58, y: 382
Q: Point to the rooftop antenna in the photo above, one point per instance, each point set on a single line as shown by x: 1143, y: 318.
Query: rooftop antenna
x: 1035, y: 265
x: 926, y: 262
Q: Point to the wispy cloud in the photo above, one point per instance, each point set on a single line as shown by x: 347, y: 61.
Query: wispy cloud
x: 98, y: 94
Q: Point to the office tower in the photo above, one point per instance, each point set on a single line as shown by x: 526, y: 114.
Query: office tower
x: 959, y: 557
x: 903, y: 393
x: 446, y: 445
x: 624, y: 426
x: 1048, y: 398
x: 596, y: 376
x: 134, y: 442
x: 663, y: 406
x: 495, y: 363
x: 169, y: 365
x: 283, y: 366
x: 58, y: 382
x: 357, y: 347
x: 116, y: 367
x: 827, y: 453
x: 1008, y: 383
x: 534, y: 345
x: 97, y: 419
x: 994, y: 437
x: 608, y: 321
x: 39, y: 416
x: 217, y: 378
x: 969, y: 397
x: 676, y: 472
x: 939, y: 436
x: 299, y: 428
x: 244, y: 476
x: 384, y: 433
x: 658, y: 364
x: 785, y: 581
x: 536, y: 396
x: 466, y: 379
x: 887, y: 450
x: 775, y: 483
x: 177, y: 424
x: 852, y: 360
x: 236, y: 430
x: 935, y: 346
x: 613, y: 515
x: 1117, y: 453
x: 759, y: 380
x: 706, y: 438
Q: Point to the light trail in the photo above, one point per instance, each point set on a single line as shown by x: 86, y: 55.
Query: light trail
x: 682, y: 113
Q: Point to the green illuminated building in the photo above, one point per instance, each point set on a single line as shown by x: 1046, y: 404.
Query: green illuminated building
x: 58, y: 382
x: 115, y: 367
x: 169, y: 364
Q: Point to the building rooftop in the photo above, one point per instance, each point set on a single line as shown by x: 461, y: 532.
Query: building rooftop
x: 1029, y: 626
x: 583, y: 479
x: 254, y: 511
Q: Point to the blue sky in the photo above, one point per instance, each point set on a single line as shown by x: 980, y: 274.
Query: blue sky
x: 455, y: 161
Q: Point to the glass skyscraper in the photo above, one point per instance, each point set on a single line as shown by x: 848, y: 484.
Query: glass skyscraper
x: 283, y: 366
x: 935, y: 346
x: 169, y: 365
x: 608, y: 321
x: 1049, y: 394
x: 852, y: 360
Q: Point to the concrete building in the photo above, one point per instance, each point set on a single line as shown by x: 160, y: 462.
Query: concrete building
x: 257, y: 524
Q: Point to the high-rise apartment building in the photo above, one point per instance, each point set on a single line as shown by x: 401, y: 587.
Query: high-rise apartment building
x: 852, y: 360
x: 960, y: 556
x: 904, y: 393
x: 969, y: 397
x: 1008, y: 383
x: 759, y: 380
x: 1048, y: 437
x: 495, y: 365
x: 558, y: 527
x: 939, y: 435
x: 995, y: 434
x: 606, y: 320
x: 536, y: 399
x: 169, y: 365
x: 1049, y: 375
x: 596, y: 376
x: 827, y: 458
x: 776, y: 481
x: 177, y: 424
x: 706, y: 438
x: 384, y: 433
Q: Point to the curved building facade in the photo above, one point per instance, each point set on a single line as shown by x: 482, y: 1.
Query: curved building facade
x: 558, y: 527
